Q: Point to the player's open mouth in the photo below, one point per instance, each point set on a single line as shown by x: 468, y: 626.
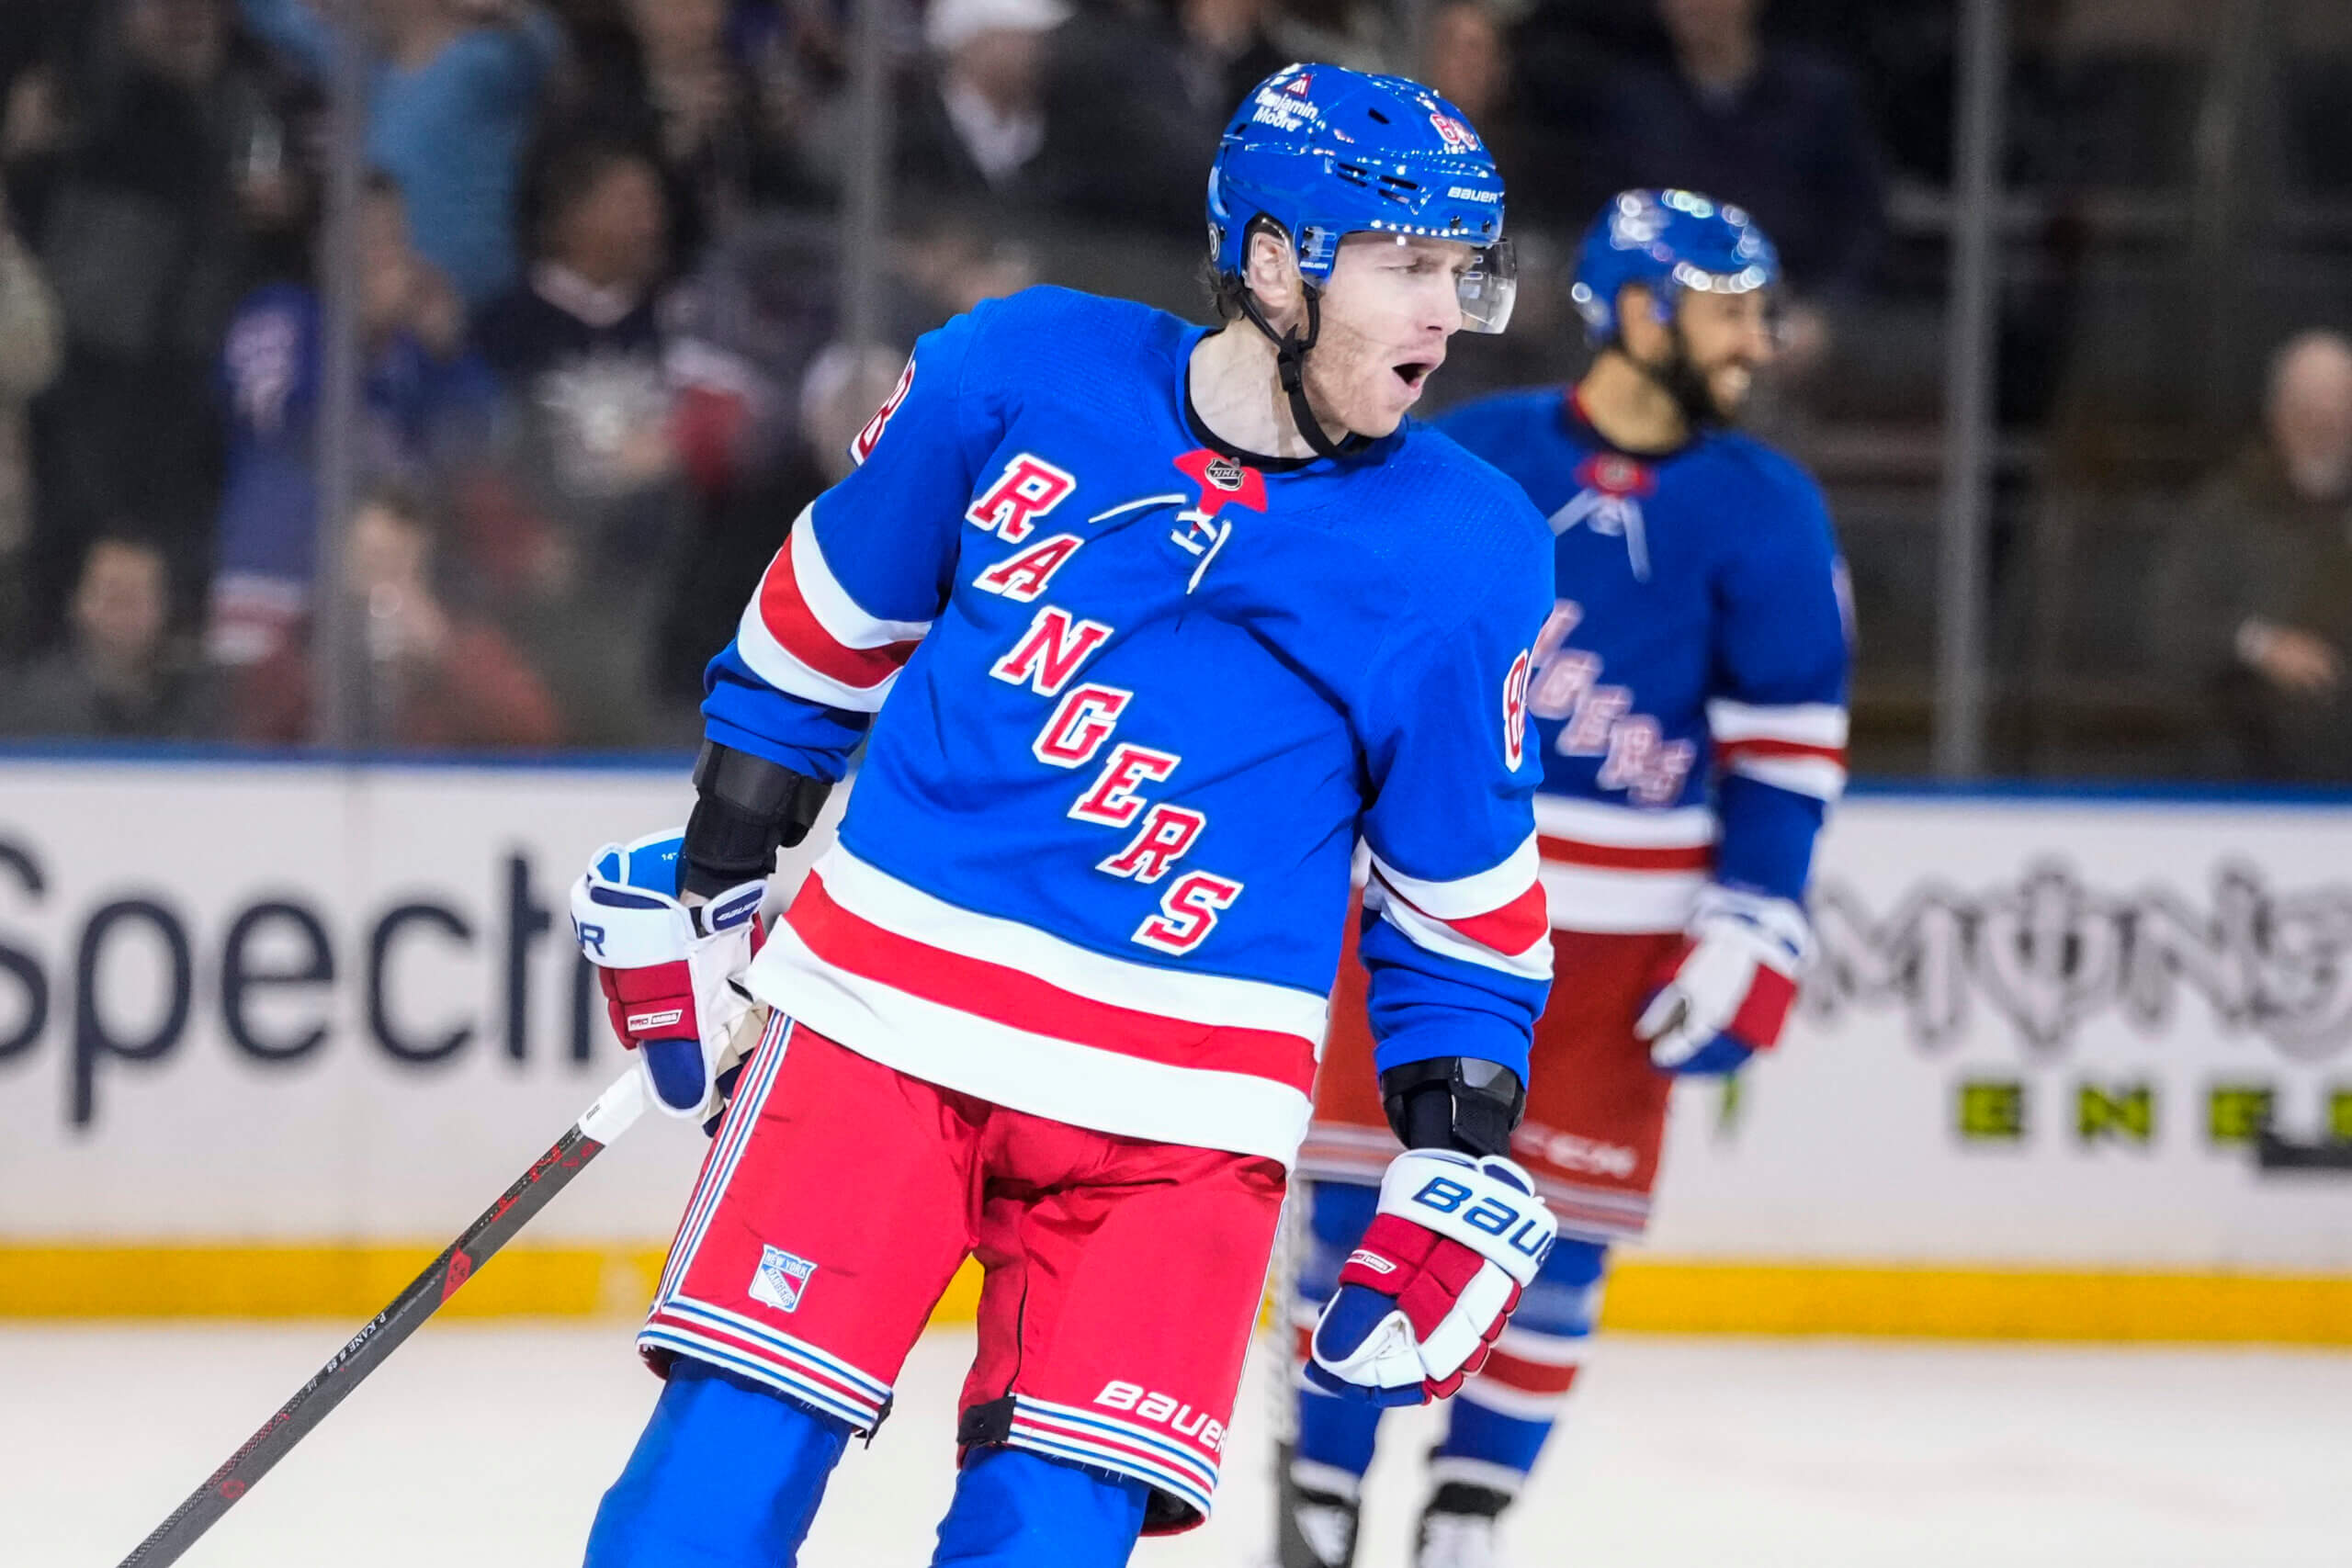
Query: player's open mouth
x: 1413, y: 373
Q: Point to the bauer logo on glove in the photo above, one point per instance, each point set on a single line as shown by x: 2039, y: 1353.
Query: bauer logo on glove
x: 669, y: 973
x: 1437, y: 1276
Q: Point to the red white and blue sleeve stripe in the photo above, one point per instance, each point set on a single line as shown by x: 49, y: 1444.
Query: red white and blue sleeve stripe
x: 863, y: 573
x: 1496, y: 920
x: 1459, y: 967
x: 1783, y: 642
x: 807, y: 638
x: 1798, y: 747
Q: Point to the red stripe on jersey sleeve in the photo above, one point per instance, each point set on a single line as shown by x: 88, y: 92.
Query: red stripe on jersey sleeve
x: 786, y: 613
x: 1624, y: 857
x: 1763, y: 746
x: 1513, y: 929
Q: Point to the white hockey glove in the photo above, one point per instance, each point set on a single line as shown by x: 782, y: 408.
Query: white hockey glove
x: 1726, y: 994
x: 1436, y: 1275
x: 670, y: 973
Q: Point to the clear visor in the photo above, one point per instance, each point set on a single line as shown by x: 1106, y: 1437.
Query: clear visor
x: 1490, y: 288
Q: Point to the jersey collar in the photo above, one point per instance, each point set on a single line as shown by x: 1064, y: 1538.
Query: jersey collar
x: 1578, y: 424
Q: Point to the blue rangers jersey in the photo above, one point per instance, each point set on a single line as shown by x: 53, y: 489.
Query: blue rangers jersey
x: 1689, y: 688
x: 1132, y: 703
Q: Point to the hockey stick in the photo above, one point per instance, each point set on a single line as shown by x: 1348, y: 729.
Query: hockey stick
x: 614, y: 1112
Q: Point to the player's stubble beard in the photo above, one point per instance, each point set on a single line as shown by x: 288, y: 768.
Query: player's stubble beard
x: 1691, y: 387
x: 1342, y: 375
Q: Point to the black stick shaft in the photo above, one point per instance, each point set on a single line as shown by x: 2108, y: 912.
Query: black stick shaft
x: 369, y: 1348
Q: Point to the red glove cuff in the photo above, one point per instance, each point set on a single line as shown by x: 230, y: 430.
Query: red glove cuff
x: 1764, y: 1012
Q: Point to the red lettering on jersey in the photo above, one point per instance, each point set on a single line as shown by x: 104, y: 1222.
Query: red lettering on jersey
x: 1025, y: 576
x: 1188, y: 913
x: 1049, y: 653
x: 862, y: 448
x: 1113, y: 801
x: 1166, y: 834
x: 1080, y: 726
x: 1028, y: 489
x: 1515, y: 712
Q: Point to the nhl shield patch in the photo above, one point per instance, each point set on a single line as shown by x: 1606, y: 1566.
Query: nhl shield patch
x: 780, y: 1279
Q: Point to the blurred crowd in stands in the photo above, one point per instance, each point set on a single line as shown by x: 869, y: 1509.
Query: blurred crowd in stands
x: 598, y: 271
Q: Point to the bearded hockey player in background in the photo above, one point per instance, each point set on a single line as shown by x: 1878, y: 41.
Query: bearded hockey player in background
x: 1688, y: 694
x: 1150, y: 624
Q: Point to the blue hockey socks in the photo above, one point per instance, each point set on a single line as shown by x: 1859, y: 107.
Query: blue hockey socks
x: 726, y: 1474
x: 1335, y: 1433
x: 1496, y: 1426
x: 1319, y: 1476
x: 1018, y: 1510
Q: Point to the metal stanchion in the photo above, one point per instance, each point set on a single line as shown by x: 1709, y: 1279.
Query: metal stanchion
x: 1968, y: 392
x: 340, y: 703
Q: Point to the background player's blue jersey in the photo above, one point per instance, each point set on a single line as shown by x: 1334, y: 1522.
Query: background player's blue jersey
x: 1689, y: 688
x: 1143, y: 699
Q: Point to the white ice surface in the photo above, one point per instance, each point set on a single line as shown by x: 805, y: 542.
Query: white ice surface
x: 486, y: 1445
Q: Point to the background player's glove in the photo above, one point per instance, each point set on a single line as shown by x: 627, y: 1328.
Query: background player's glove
x: 1436, y: 1275
x: 1724, y: 995
x: 669, y: 973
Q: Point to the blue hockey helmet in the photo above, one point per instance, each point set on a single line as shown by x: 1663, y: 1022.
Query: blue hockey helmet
x: 1667, y: 241
x: 1323, y: 152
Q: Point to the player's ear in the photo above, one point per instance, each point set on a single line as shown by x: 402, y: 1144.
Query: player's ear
x: 1272, y: 274
x: 1638, y: 326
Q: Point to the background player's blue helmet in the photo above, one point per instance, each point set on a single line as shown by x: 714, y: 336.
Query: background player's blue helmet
x: 1667, y: 241
x: 1325, y: 152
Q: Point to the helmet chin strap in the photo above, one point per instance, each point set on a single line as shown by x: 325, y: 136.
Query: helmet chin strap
x: 1290, y: 367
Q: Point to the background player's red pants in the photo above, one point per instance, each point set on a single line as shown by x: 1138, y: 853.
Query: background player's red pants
x: 1121, y: 1278
x: 1596, y: 1108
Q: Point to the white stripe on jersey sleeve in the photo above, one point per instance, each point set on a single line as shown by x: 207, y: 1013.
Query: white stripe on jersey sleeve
x: 1478, y: 894
x: 1804, y: 723
x: 842, y: 616
x: 1436, y: 936
x: 1820, y: 777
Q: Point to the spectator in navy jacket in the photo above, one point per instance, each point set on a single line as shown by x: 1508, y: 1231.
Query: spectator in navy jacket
x: 596, y: 451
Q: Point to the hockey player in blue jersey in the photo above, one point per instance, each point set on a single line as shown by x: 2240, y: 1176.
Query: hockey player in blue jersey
x: 1145, y: 627
x: 1688, y: 694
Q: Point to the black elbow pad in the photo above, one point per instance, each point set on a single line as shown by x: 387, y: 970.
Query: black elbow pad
x: 745, y: 808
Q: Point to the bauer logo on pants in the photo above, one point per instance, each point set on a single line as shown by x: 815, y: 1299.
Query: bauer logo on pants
x: 780, y: 1279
